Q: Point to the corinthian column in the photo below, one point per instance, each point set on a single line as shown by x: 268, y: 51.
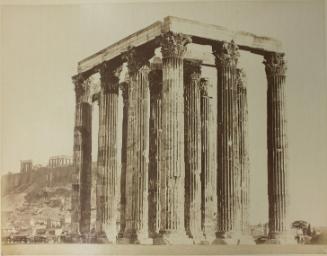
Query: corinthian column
x: 100, y: 180
x: 136, y: 229
x: 108, y: 146
x: 171, y: 155
x: 228, y: 228
x: 155, y: 78
x: 244, y: 182
x: 124, y: 89
x: 81, y: 187
x: 208, y: 163
x: 192, y: 71
x: 278, y: 196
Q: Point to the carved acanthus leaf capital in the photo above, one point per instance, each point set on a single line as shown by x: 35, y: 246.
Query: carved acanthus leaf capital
x: 78, y: 81
x: 145, y: 69
x: 156, y: 63
x: 124, y: 88
x: 192, y: 70
x: 137, y: 58
x: 226, y: 54
x: 173, y: 45
x: 204, y: 86
x: 241, y: 78
x: 109, y: 76
x: 275, y: 65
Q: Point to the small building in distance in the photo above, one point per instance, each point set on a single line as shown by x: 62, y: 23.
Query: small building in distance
x: 60, y: 161
x: 26, y: 166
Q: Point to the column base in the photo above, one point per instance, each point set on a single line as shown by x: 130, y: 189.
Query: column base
x: 98, y: 227
x: 111, y: 234
x: 76, y: 238
x: 233, y: 239
x: 142, y: 237
x: 172, y: 237
x: 143, y: 240
x: 120, y: 235
x: 124, y: 240
x: 135, y: 238
x: 247, y: 239
x: 199, y: 238
x: 281, y: 238
x: 208, y: 239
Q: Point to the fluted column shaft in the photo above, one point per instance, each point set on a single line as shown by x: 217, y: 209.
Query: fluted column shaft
x: 81, y: 187
x: 227, y: 136
x: 77, y: 151
x: 155, y: 78
x: 136, y: 227
x: 192, y: 71
x: 130, y: 165
x: 208, y: 163
x: 278, y: 196
x: 108, y: 142
x: 100, y: 181
x: 172, y: 169
x: 244, y: 182
x: 124, y: 89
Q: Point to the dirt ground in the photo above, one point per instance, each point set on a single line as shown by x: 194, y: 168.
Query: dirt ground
x: 107, y: 249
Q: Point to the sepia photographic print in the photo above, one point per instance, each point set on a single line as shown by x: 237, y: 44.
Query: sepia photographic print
x: 163, y: 127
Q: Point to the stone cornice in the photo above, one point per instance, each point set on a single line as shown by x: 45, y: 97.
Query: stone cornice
x: 200, y: 33
x: 173, y: 45
x: 275, y: 65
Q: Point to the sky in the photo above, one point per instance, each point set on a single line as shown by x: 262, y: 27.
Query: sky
x: 41, y: 45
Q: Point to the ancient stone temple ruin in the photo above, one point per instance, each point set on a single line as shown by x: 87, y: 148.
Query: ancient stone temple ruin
x: 173, y: 163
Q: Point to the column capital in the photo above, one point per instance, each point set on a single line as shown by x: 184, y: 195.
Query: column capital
x: 124, y: 88
x: 226, y: 54
x: 78, y: 81
x: 109, y: 76
x: 241, y: 78
x: 275, y: 65
x: 173, y: 45
x: 156, y: 64
x: 204, y: 86
x: 136, y: 59
x: 96, y: 97
x: 192, y: 70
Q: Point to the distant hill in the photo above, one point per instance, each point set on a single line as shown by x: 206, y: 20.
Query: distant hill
x: 42, y: 195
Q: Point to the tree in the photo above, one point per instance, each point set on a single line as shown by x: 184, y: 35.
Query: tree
x: 300, y: 224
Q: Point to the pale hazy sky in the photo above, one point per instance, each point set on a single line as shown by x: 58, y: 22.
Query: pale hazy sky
x: 41, y: 46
